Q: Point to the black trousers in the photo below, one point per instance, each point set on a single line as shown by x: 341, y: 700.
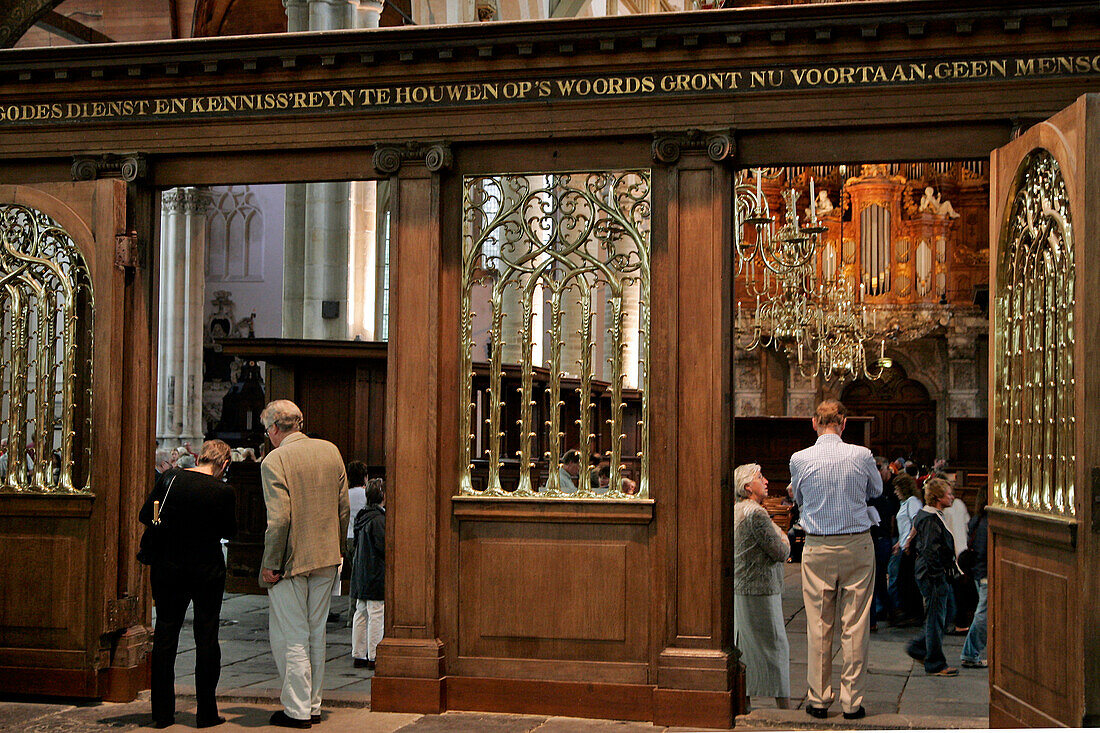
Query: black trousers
x: 174, y: 588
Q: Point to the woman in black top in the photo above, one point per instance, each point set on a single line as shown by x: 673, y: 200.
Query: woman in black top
x: 197, y: 510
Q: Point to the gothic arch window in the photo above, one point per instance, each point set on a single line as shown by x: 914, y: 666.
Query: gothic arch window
x: 46, y: 318
x: 235, y: 236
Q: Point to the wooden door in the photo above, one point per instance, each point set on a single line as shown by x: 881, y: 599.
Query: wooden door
x: 904, y: 415
x: 77, y: 377
x: 1044, y: 637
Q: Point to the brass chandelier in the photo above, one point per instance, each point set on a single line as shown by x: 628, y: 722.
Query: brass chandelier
x: 814, y: 318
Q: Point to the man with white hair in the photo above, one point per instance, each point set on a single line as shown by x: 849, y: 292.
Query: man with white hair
x: 306, y: 495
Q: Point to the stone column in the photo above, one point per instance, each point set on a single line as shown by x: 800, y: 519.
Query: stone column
x: 748, y: 386
x: 801, y: 392
x: 962, y: 376
x: 183, y: 262
x: 297, y: 15
x: 317, y: 247
x: 367, y: 13
x: 325, y: 265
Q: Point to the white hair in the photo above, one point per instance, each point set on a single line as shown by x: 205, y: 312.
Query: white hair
x: 283, y: 413
x: 744, y: 475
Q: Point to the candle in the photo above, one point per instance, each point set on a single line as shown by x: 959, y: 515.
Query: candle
x: 813, y: 202
x: 882, y: 350
x: 738, y: 315
x: 759, y: 192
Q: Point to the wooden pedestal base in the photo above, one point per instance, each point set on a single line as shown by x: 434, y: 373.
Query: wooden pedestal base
x: 696, y: 708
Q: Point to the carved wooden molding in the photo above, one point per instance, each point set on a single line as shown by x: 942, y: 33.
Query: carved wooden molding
x: 129, y: 166
x: 389, y: 157
x: 718, y: 144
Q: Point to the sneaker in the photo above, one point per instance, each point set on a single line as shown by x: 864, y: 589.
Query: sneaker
x: 945, y: 672
x: 979, y: 664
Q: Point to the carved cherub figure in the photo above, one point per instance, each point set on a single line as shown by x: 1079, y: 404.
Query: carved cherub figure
x: 823, y: 204
x: 932, y: 203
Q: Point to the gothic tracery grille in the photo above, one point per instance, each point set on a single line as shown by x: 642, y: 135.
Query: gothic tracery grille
x: 573, y: 244
x: 1033, y: 412
x: 46, y: 341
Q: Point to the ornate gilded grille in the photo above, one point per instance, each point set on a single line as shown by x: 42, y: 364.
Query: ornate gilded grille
x: 554, y: 254
x: 1034, y: 457
x: 46, y: 307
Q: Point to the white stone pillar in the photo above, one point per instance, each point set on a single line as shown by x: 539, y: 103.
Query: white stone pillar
x: 330, y: 15
x: 171, y: 208
x: 195, y: 207
x: 367, y: 13
x: 297, y: 15
x: 326, y: 260
x: 180, y: 327
x: 363, y: 261
x: 294, y: 258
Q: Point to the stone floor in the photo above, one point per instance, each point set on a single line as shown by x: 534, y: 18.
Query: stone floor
x: 900, y: 695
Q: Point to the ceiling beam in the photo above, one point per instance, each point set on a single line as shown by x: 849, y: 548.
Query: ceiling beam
x: 74, y: 31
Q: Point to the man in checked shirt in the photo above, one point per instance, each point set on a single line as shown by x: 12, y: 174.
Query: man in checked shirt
x: 831, y: 481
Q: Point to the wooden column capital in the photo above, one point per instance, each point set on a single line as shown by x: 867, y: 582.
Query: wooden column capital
x: 435, y: 156
x: 719, y: 145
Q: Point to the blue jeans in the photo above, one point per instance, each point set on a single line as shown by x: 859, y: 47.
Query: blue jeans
x: 892, y: 568
x: 974, y: 646
x: 929, y: 645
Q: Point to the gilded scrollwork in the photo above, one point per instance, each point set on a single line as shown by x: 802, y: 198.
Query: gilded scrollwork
x: 45, y: 355
x: 1033, y: 412
x: 560, y: 240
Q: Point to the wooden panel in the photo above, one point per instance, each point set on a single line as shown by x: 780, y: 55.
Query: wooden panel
x: 412, y: 400
x: 699, y: 388
x: 540, y: 697
x: 1034, y: 647
x: 527, y: 593
x: 1036, y: 640
x: 507, y: 570
x: 35, y: 605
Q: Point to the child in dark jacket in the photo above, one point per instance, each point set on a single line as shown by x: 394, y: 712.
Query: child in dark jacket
x: 368, y: 576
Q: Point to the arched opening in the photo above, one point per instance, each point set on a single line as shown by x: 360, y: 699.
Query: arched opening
x: 904, y: 414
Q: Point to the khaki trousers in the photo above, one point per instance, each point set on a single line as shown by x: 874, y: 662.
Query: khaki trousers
x: 298, y: 609
x: 838, y: 573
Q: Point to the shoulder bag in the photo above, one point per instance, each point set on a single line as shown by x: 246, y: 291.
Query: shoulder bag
x: 149, y: 550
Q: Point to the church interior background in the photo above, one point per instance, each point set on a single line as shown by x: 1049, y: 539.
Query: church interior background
x: 251, y: 272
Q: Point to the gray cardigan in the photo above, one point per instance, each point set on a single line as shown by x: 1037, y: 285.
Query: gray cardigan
x: 759, y: 551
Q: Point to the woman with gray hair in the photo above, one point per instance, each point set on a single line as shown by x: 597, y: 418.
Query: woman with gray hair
x: 759, y: 550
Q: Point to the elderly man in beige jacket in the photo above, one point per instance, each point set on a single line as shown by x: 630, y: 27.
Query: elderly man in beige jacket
x: 306, y: 494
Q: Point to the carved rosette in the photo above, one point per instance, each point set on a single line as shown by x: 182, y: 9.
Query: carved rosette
x: 389, y: 157
x: 129, y: 167
x: 719, y: 145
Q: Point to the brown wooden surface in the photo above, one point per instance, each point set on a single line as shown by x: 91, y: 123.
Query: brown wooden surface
x: 691, y: 401
x: 77, y: 546
x: 1044, y: 666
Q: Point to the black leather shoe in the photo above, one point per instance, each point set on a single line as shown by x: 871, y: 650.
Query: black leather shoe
x: 281, y: 719
x: 360, y: 663
x: 209, y: 723
x: 856, y: 714
x: 315, y: 719
x: 817, y: 712
x: 163, y: 723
